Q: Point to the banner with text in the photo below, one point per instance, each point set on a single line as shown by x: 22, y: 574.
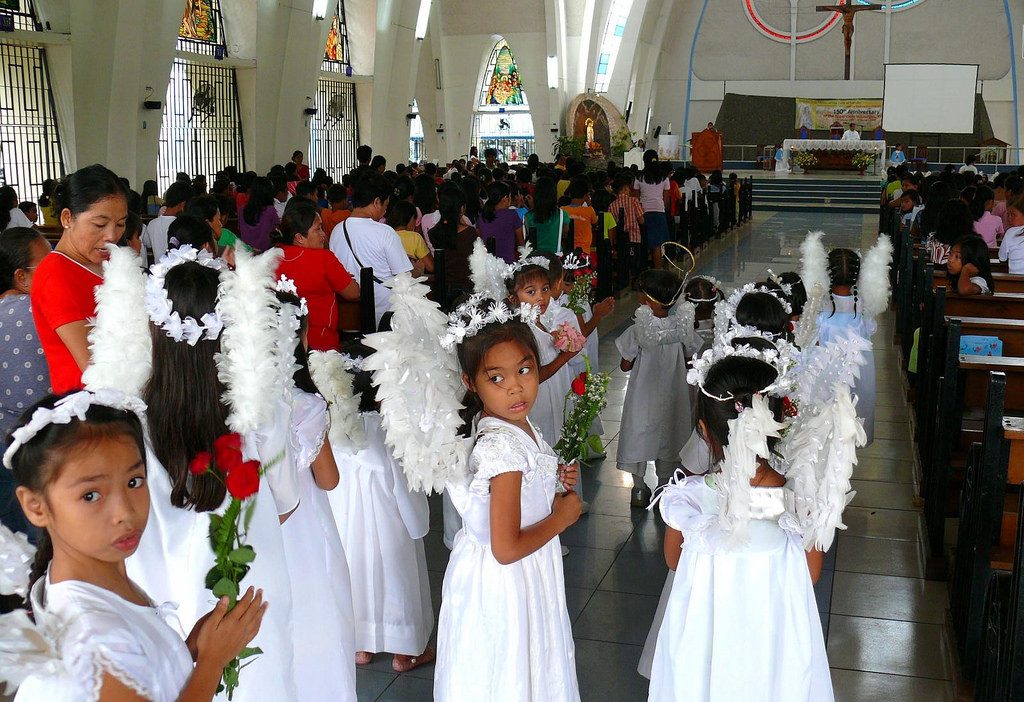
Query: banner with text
x: 822, y: 114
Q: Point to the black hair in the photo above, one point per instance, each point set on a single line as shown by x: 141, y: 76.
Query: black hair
x: 496, y: 192
x: 183, y: 393
x: 738, y: 379
x: 27, y: 206
x: 556, y: 271
x: 377, y: 162
x: 525, y: 275
x: 302, y: 377
x: 939, y: 192
x: 400, y: 212
x: 844, y: 269
x: 261, y: 196
x: 425, y: 194
x: 177, y: 193
x: 38, y: 462
x: 545, y: 200
x: 15, y: 252
x: 982, y: 195
x: 449, y: 205
x: 364, y: 153
x: 85, y: 187
x: 660, y: 285
x: 205, y: 207
x: 974, y: 250
x: 704, y: 295
x: 954, y: 222
x: 132, y: 228
x: 296, y: 153
x: 362, y: 380
x: 337, y: 193
x: 189, y: 230
x: 471, y: 189
x: 652, y: 172
x: 579, y: 187
x: 471, y: 354
x: 797, y: 291
x: 912, y: 195
x: 299, y: 216
x: 370, y: 186
x: 8, y: 201
x: 764, y: 312
x: 304, y: 189
x: 403, y: 188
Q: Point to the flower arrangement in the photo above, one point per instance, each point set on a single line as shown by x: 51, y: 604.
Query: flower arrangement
x: 804, y: 159
x: 567, y: 339
x: 580, y: 293
x: 589, y: 392
x: 862, y: 160
x: 232, y: 556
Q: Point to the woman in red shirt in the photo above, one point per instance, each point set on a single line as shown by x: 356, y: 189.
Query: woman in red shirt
x: 318, y: 274
x: 93, y: 208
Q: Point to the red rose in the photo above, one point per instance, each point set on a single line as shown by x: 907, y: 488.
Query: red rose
x: 243, y: 481
x: 200, y: 463
x: 227, y: 449
x: 579, y: 385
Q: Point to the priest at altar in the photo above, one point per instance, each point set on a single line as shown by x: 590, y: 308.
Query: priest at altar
x: 851, y: 134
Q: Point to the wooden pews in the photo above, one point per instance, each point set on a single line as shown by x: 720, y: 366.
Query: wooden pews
x: 1004, y: 282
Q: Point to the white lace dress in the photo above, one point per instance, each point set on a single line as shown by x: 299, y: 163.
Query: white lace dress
x: 548, y: 411
x: 504, y: 633
x: 99, y: 632
x: 324, y: 642
x: 741, y: 623
x: 382, y: 525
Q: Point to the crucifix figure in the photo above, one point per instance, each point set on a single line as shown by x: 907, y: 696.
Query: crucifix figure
x: 848, y: 10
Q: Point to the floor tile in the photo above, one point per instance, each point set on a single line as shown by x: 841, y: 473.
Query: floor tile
x: 882, y: 523
x: 370, y: 684
x: 611, y: 500
x: 408, y: 689
x: 877, y: 494
x: 586, y: 567
x: 896, y: 431
x: 879, y: 556
x: 607, y: 671
x: 576, y: 598
x: 884, y: 469
x: 639, y: 572
x: 889, y: 597
x: 617, y: 617
x: 858, y: 686
x: 823, y: 590
x: 887, y: 646
x: 884, y: 448
x: 598, y: 531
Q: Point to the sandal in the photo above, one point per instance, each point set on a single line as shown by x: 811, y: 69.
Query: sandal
x: 403, y: 664
x: 364, y: 658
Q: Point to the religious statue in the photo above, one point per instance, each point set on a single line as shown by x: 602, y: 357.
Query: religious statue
x: 848, y: 10
x: 590, y: 130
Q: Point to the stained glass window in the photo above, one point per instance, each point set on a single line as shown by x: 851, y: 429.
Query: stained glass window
x: 201, y: 29
x: 505, y: 87
x: 614, y: 29
x: 336, y: 52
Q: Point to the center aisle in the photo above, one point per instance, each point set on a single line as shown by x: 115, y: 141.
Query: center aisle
x: 882, y: 620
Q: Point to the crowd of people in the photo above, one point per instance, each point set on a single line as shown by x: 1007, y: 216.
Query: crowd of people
x: 145, y: 405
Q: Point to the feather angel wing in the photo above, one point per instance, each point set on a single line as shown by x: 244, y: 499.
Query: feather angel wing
x: 678, y: 327
x: 248, y: 363
x: 120, y: 348
x: 26, y: 649
x: 16, y: 555
x: 418, y: 388
x: 335, y: 382
x: 487, y: 272
x: 814, y: 274
x: 873, y: 284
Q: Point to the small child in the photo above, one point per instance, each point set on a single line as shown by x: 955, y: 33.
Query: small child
x: 629, y: 213
x: 402, y: 218
x: 986, y: 225
x: 504, y: 632
x: 741, y: 622
x: 30, y: 210
x: 1012, y: 248
x: 656, y: 416
x: 79, y: 462
x: 382, y: 524
x: 704, y: 293
x: 969, y: 267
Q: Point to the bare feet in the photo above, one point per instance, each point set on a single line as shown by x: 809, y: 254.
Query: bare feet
x: 363, y: 657
x: 403, y: 664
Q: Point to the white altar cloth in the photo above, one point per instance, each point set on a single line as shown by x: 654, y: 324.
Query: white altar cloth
x: 874, y: 146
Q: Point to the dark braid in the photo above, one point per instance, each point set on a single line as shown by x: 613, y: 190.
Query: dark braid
x: 843, y: 269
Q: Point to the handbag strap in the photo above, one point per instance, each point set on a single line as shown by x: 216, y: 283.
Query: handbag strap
x: 344, y: 229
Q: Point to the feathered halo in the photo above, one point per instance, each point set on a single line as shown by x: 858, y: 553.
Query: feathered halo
x: 477, y: 312
x: 328, y: 369
x: 161, y: 311
x: 574, y: 262
x: 725, y: 310
x: 120, y: 345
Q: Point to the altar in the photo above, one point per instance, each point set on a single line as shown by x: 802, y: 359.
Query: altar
x: 833, y: 154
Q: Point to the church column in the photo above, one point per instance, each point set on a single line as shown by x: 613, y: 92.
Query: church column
x: 396, y: 63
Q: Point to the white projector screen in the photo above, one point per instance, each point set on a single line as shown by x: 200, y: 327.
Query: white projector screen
x: 929, y: 98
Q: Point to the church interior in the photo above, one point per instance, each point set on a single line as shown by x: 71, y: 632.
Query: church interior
x: 856, y: 168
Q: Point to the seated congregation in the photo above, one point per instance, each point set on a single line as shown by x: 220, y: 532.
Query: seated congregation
x: 226, y: 410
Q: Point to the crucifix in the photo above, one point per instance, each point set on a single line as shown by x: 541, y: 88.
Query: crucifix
x: 848, y: 10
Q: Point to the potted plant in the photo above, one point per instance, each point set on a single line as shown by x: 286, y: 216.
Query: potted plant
x: 862, y: 160
x: 622, y: 141
x: 574, y: 147
x: 804, y: 159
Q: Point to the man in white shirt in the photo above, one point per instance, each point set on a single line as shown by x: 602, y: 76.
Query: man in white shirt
x: 851, y: 134
x: 969, y: 166
x: 154, y: 234
x: 281, y: 194
x: 362, y: 241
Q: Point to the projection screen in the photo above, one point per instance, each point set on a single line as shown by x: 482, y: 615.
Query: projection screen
x: 929, y: 97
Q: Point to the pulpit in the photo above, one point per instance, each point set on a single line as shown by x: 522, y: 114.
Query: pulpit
x: 707, y: 150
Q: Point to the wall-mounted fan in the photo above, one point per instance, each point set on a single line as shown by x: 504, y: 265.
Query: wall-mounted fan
x: 336, y: 107
x: 204, y: 101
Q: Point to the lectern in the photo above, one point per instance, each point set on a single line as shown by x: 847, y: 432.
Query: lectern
x: 707, y: 150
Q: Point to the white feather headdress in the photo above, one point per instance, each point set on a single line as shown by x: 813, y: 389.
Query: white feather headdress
x: 120, y: 346
x: 419, y: 386
x: 487, y: 272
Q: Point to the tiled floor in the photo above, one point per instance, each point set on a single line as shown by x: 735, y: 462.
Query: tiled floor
x: 882, y: 620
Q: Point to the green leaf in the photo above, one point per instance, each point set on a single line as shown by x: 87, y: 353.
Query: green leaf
x: 213, y: 576
x: 250, y: 509
x: 215, y: 522
x: 225, y: 588
x: 249, y: 651
x: 242, y: 555
x: 594, y: 443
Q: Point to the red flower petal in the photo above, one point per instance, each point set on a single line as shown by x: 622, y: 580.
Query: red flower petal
x: 200, y: 463
x: 244, y: 480
x: 227, y: 450
x: 579, y: 386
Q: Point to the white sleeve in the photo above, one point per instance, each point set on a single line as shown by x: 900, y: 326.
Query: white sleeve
x: 398, y: 260
x: 627, y: 344
x: 497, y: 452
x: 18, y: 219
x: 275, y: 456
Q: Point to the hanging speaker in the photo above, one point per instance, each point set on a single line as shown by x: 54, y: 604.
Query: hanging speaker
x: 153, y: 105
x: 657, y: 132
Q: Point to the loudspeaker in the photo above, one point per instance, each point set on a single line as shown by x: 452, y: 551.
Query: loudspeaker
x: 657, y: 132
x: 309, y: 111
x: 152, y: 104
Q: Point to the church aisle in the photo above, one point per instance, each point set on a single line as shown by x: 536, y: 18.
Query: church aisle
x: 882, y: 620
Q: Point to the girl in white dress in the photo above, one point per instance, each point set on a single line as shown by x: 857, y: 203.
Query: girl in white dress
x: 382, y: 525
x: 741, y: 622
x: 656, y: 415
x: 186, y: 415
x: 80, y: 467
x: 504, y: 631
x: 324, y: 643
x: 845, y: 313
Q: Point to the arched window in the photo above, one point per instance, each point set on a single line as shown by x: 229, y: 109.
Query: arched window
x: 416, y: 152
x: 201, y: 130
x: 29, y: 140
x: 614, y: 28
x: 502, y: 118
x: 334, y: 129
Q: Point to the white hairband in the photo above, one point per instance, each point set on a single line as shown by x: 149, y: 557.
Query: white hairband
x: 470, y: 317
x: 572, y: 262
x: 73, y: 406
x: 287, y: 285
x: 161, y: 311
x: 780, y: 360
